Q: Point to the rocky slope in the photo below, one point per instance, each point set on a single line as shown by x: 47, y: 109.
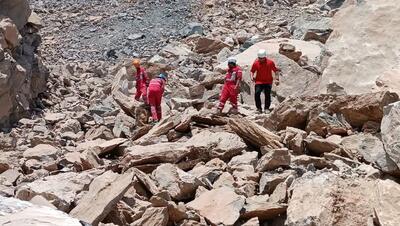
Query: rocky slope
x: 88, y: 155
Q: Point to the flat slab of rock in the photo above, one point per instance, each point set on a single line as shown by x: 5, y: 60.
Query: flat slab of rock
x: 219, y: 206
x: 60, y: 189
x: 16, y: 212
x: 109, y: 145
x: 41, y: 151
x: 390, y: 130
x: 54, y: 117
x: 153, y: 216
x: 263, y: 211
x: 104, y: 192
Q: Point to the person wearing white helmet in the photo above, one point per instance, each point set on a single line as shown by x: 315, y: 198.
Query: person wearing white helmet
x: 261, y: 75
x: 231, y: 88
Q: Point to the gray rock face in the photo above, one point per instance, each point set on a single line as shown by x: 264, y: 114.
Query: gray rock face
x: 390, y: 129
x: 22, y: 75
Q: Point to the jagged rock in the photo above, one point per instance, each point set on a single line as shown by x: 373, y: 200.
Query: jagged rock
x: 106, y: 147
x: 209, y: 204
x: 263, y: 211
x: 17, y: 212
x: 294, y: 140
x: 356, y: 109
x: 319, y: 145
x: 224, y: 180
x: 10, y: 33
x: 3, y: 165
x: 41, y: 152
x: 175, y: 50
x: 165, y: 125
x: 104, y: 192
x: 245, y: 173
x: 390, y: 129
x: 289, y: 51
x: 372, y: 151
x: 101, y: 132
x: 254, y: 134
x: 280, y: 193
x: 54, y: 117
x: 60, y: 190
x: 361, y: 201
x: 153, y: 216
x: 221, y: 145
x: 361, y: 68
x: 269, y: 181
x: 247, y: 158
x: 208, y: 172
x: 39, y: 200
x: 208, y: 45
x: 184, y: 125
x: 309, y: 27
x: 179, y: 184
x: 86, y: 160
x: 121, y: 214
x: 305, y: 160
x: 123, y: 126
x: 325, y: 124
x: 11, y: 175
x: 191, y: 29
x: 71, y: 125
x: 273, y: 159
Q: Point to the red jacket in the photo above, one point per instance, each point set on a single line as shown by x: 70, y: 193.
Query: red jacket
x: 264, y: 71
x: 233, y: 75
x: 141, y: 77
x: 157, y: 84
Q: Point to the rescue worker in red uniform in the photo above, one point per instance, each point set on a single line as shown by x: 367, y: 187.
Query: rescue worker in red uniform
x: 231, y: 87
x: 142, y: 81
x: 261, y: 74
x: 154, y: 95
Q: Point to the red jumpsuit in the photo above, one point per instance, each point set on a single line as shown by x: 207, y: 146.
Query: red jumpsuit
x: 141, y: 84
x: 155, y: 92
x: 229, y: 90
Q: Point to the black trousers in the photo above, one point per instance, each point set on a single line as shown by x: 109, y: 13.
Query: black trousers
x: 266, y: 88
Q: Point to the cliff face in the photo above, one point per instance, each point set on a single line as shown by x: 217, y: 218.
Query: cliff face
x: 22, y: 76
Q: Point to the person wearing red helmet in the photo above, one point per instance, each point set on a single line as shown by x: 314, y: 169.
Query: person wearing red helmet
x: 231, y: 87
x: 154, y: 95
x: 142, y: 81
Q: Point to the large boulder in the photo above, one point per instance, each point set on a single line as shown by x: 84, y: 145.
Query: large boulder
x: 60, y: 190
x: 390, y: 129
x: 295, y: 81
x: 356, y: 109
x: 360, y: 52
x: 17, y: 212
x: 17, y: 10
x: 22, y: 75
x: 328, y: 199
x: 220, y: 206
x: 179, y: 184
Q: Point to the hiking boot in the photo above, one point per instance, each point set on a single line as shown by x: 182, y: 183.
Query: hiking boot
x: 267, y: 111
x: 259, y: 111
x: 234, y: 111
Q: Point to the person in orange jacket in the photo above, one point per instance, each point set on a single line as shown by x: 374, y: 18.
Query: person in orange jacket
x: 231, y: 87
x: 155, y: 93
x: 142, y: 81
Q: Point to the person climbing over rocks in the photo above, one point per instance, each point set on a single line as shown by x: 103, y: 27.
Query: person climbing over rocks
x: 261, y: 74
x: 154, y: 95
x: 231, y: 86
x: 142, y: 81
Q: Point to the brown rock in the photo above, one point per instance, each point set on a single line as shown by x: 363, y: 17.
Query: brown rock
x: 106, y: 147
x: 208, y: 45
x: 60, y: 189
x: 179, y: 184
x: 153, y: 217
x: 356, y: 109
x: 305, y: 160
x: 10, y: 33
x: 294, y: 140
x: 325, y: 124
x: 104, y: 193
x: 252, y: 222
x: 269, y: 181
x: 290, y: 51
x: 319, y: 145
x: 263, y: 211
x: 274, y: 159
x: 210, y: 203
x: 165, y: 125
x: 254, y: 134
x: 101, y: 132
x: 40, y: 152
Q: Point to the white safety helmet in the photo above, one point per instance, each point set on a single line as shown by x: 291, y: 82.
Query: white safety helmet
x: 262, y: 53
x: 231, y: 60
